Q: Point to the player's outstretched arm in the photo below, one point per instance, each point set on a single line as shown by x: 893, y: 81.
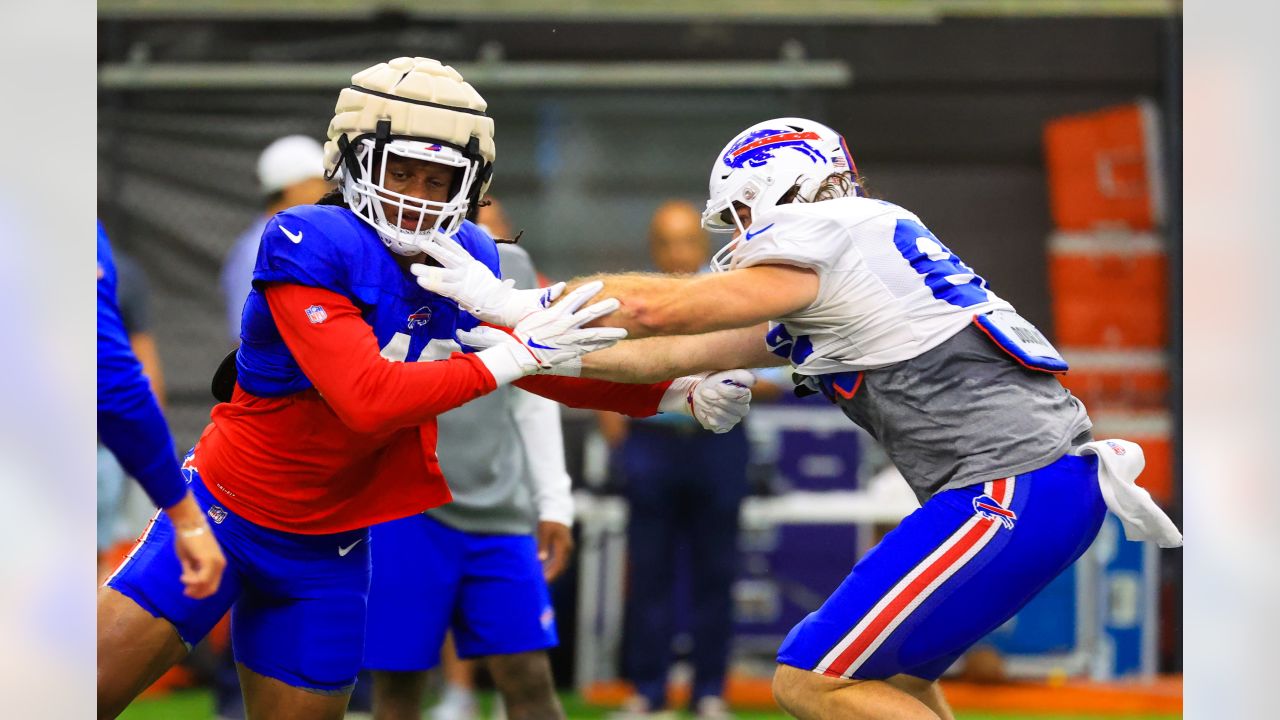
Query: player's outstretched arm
x: 339, y: 354
x: 659, y: 358
x: 650, y: 304
x: 666, y: 305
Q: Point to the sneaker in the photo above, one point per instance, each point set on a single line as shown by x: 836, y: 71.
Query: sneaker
x: 712, y: 707
x: 637, y: 708
x: 456, y: 703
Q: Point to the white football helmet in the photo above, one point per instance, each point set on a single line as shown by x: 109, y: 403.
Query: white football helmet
x: 415, y: 108
x: 764, y: 163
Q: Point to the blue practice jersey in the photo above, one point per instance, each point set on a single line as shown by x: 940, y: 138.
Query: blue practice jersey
x: 328, y: 246
x: 129, y: 420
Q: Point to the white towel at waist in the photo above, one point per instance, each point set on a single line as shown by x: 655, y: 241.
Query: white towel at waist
x: 1119, y: 463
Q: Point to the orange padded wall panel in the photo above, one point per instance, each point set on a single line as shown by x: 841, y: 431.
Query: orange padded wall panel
x: 1103, y: 168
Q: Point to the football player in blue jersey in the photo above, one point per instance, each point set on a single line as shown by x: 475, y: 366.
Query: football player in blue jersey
x: 132, y: 427
x: 322, y: 436
x: 872, y: 310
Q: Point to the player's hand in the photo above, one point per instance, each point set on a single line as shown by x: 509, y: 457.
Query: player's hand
x: 555, y: 548
x: 550, y: 341
x: 473, y: 286
x: 198, y: 552
x: 718, y: 401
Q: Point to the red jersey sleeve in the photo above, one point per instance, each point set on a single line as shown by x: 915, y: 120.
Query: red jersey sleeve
x: 369, y: 393
x: 629, y: 399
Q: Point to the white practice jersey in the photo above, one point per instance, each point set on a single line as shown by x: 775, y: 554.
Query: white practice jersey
x: 894, y: 317
x: 888, y: 289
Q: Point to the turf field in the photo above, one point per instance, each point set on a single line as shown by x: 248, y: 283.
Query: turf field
x: 197, y: 705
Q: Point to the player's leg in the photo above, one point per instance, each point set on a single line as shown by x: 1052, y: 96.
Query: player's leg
x: 718, y: 486
x: 809, y: 696
x: 298, y: 627
x: 134, y: 649
x: 145, y: 622
x: 267, y: 698
x: 398, y: 695
x: 926, y: 691
x: 949, y: 574
x: 653, y: 463
x: 527, y: 688
x: 412, y: 595
x: 458, y: 696
x: 504, y: 613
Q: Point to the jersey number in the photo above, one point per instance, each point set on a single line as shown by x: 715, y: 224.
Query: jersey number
x: 793, y: 349
x: 947, y: 276
x: 397, y: 349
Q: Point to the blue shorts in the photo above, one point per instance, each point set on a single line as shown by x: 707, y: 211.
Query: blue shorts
x: 950, y: 573
x: 297, y: 601
x: 429, y: 578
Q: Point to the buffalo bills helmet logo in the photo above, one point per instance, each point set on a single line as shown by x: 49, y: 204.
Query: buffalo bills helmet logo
x: 421, y: 316
x: 988, y: 508
x: 759, y: 147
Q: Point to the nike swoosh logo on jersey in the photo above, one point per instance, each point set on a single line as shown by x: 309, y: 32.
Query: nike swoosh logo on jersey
x: 294, y: 237
x: 749, y: 233
x: 342, y: 551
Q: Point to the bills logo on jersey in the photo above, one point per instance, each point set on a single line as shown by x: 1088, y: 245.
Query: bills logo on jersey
x: 316, y: 314
x: 421, y: 316
x: 987, y: 507
x: 759, y: 147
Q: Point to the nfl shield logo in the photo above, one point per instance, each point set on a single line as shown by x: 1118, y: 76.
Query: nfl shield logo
x: 316, y: 314
x: 217, y: 513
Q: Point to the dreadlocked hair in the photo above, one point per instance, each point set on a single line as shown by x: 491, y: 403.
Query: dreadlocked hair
x: 334, y: 197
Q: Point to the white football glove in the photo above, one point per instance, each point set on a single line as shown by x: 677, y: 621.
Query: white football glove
x: 473, y: 286
x: 550, y: 341
x: 718, y: 401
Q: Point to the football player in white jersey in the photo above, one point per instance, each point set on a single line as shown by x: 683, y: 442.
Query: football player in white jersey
x: 873, y: 311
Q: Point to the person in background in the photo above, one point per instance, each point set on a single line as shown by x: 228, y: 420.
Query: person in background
x: 131, y: 425
x: 684, y: 487
x: 290, y: 173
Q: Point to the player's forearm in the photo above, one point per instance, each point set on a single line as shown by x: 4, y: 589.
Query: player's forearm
x: 132, y: 427
x: 660, y: 358
x: 656, y: 305
x: 135, y: 432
